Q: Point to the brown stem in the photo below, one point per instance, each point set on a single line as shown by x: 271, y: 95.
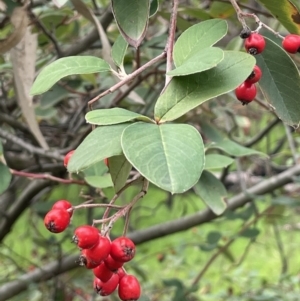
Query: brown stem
x: 128, y: 78
x: 45, y: 177
x: 171, y: 40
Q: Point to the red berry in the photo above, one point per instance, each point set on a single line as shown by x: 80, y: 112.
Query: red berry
x: 63, y: 204
x: 129, y: 288
x: 121, y: 273
x: 86, y: 261
x: 67, y: 157
x: 245, y: 92
x: 100, y: 251
x: 255, y: 43
x: 112, y: 264
x: 106, y: 161
x: 106, y: 288
x: 86, y: 236
x: 291, y: 43
x: 255, y: 75
x: 122, y: 249
x: 57, y: 220
x: 102, y: 272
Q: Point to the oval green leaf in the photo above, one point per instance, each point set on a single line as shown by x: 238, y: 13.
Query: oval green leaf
x: 212, y: 192
x: 118, y: 50
x: 63, y: 67
x: 198, y: 37
x: 187, y: 92
x: 119, y: 169
x: 171, y: 156
x: 113, y: 116
x: 5, y: 177
x: 280, y: 82
x: 285, y: 12
x: 132, y: 19
x: 103, y: 142
x: 215, y: 161
x: 205, y: 59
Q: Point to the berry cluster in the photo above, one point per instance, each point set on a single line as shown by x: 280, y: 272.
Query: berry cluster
x: 254, y: 44
x: 106, y: 258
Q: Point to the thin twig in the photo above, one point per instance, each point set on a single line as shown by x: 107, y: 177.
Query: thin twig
x: 128, y: 78
x: 171, y: 40
x: 45, y: 177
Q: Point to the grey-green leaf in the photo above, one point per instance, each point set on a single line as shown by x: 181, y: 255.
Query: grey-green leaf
x: 205, y: 59
x: 280, y: 82
x: 113, y: 116
x: 198, y: 37
x: 170, y: 156
x: 216, y: 161
x: 118, y: 50
x: 119, y: 168
x: 132, y: 19
x: 101, y: 143
x: 187, y: 92
x: 5, y: 177
x: 63, y: 67
x: 212, y: 192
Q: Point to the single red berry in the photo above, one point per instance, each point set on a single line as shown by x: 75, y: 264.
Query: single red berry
x: 100, y: 251
x: 121, y: 273
x: 255, y: 43
x: 86, y: 236
x: 57, y: 220
x: 255, y: 75
x: 63, y: 204
x: 106, y: 288
x: 102, y: 272
x: 112, y: 264
x: 67, y: 157
x: 122, y: 249
x: 245, y: 92
x: 106, y: 161
x: 85, y: 260
x: 129, y: 288
x: 291, y: 43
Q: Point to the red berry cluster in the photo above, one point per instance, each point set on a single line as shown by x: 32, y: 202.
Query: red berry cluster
x: 291, y: 43
x: 254, y: 44
x: 98, y: 253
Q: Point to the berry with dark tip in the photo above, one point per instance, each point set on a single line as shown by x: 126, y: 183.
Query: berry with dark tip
x: 291, y: 43
x: 255, y: 43
x: 122, y: 249
x: 245, y: 93
x: 57, y: 220
x: 255, y: 75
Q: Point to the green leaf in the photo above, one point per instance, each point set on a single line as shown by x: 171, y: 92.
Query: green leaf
x: 132, y: 19
x: 204, y: 59
x: 52, y: 73
x: 1, y: 148
x: 101, y: 143
x: 185, y: 93
x: 170, y: 156
x: 250, y: 233
x: 113, y: 116
x: 215, y: 161
x: 212, y: 192
x: 280, y: 82
x: 119, y: 169
x: 5, y: 177
x: 154, y: 5
x: 198, y: 37
x: 99, y: 181
x: 213, y: 237
x: 118, y: 50
x: 285, y: 12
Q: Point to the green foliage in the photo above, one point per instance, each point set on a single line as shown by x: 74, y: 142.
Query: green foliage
x: 132, y: 19
x: 215, y: 161
x: 118, y: 50
x: 279, y: 82
x: 60, y: 68
x: 286, y: 12
x: 212, y: 192
x: 186, y: 93
x: 5, y: 176
x: 173, y: 158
